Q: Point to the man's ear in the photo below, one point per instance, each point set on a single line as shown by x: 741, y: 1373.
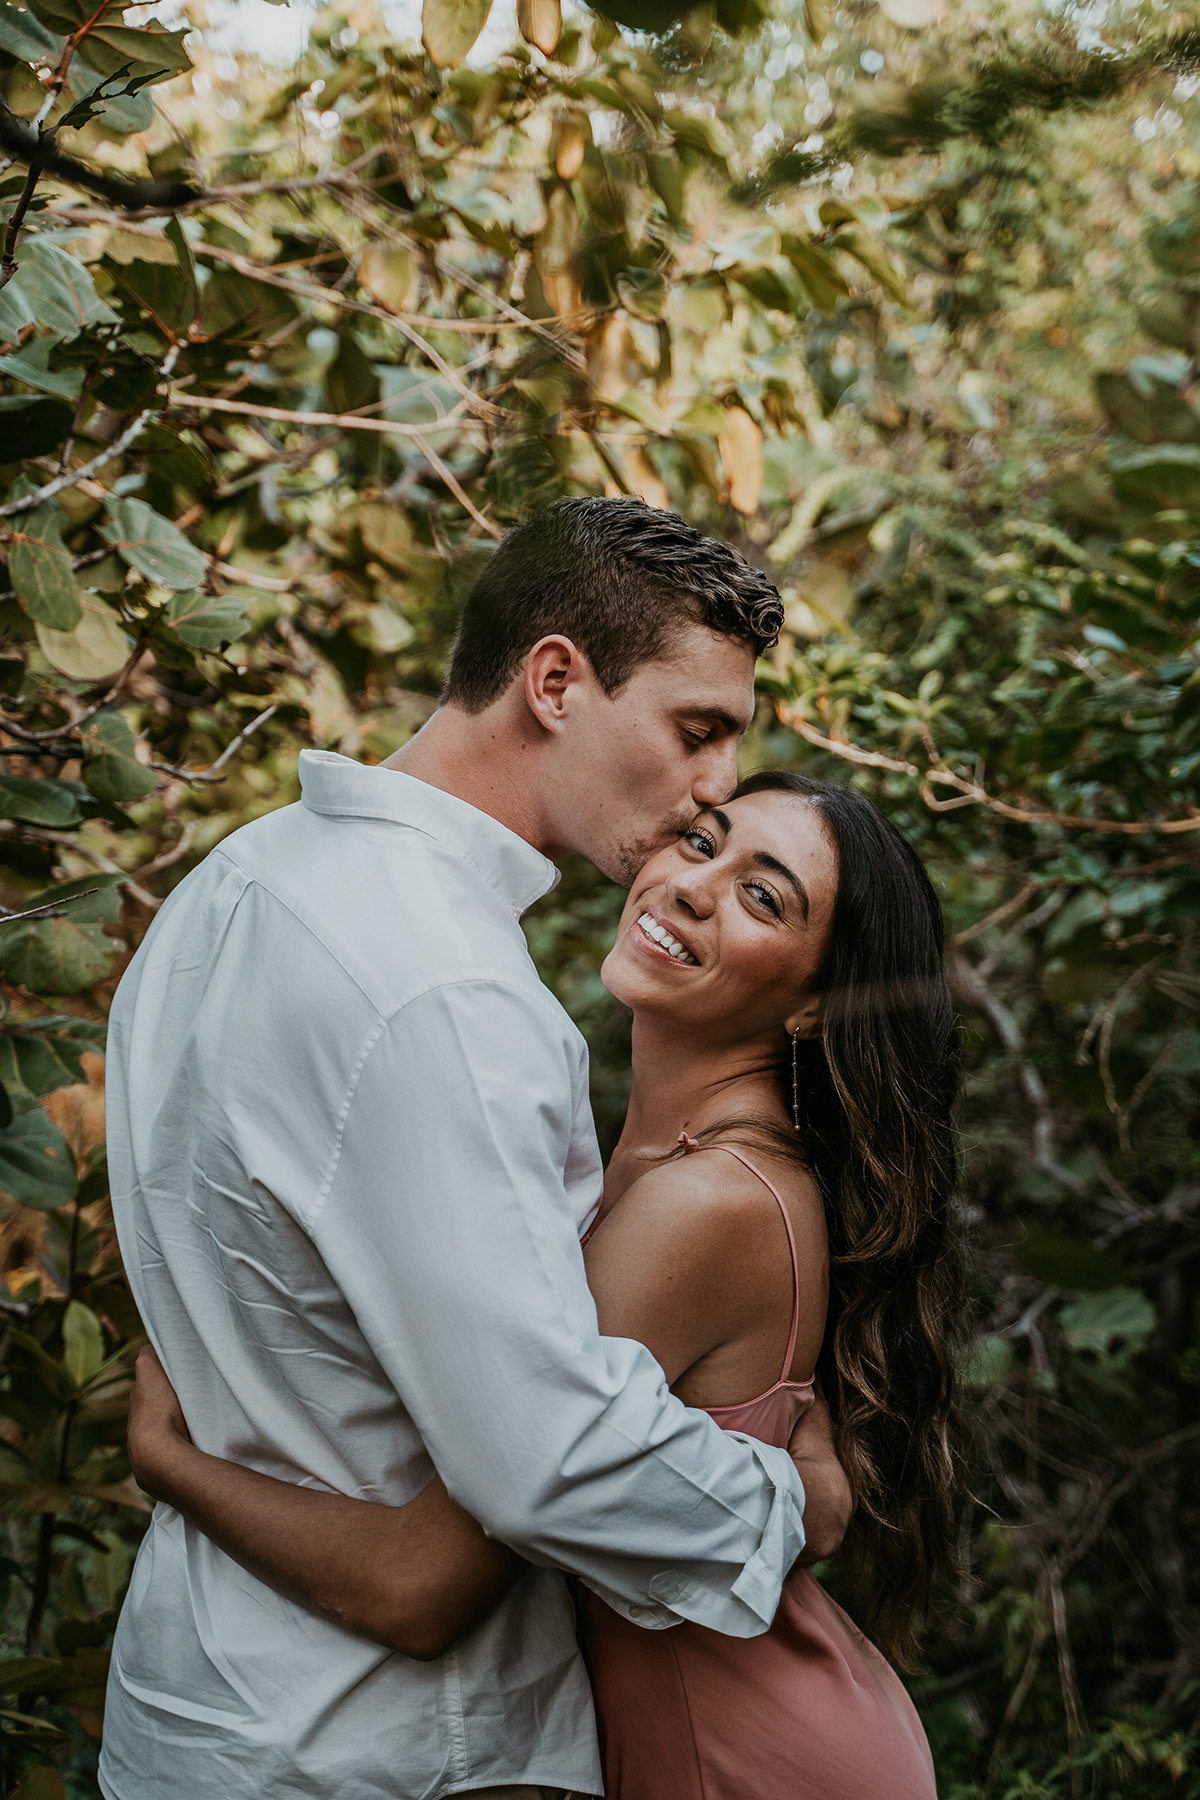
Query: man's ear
x: 551, y: 668
x: 808, y: 1021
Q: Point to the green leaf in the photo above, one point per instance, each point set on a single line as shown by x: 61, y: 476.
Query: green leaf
x: 990, y: 1361
x: 1068, y: 1262
x: 36, y: 1165
x: 1167, y: 476
x: 1110, y: 1325
x: 450, y: 27
x: 1144, y: 401
x: 44, y: 582
x: 6, y: 1108
x: 59, y: 290
x: 68, y: 15
x: 162, y: 289
x: 67, y: 954
x: 148, y: 51
x: 96, y: 648
x: 242, y: 311
x: 40, y: 1055
x: 25, y: 38
x: 110, y: 766
x: 83, y: 1343
x: 15, y: 312
x: 46, y: 802
x: 18, y: 1672
x: 152, y: 545
x: 31, y: 365
x: 38, y: 425
x: 116, y: 100
x: 204, y: 622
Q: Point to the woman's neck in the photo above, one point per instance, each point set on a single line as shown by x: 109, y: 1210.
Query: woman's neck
x: 680, y: 1085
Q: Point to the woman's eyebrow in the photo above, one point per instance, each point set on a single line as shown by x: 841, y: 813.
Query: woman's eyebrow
x: 762, y: 859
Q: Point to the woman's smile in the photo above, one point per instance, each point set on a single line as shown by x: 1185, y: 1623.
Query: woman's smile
x: 655, y: 938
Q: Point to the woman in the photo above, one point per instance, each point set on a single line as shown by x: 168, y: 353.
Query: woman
x: 778, y: 1206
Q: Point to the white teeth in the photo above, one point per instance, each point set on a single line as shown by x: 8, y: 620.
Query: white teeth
x: 659, y: 935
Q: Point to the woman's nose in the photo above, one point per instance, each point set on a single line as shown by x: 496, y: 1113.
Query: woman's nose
x: 691, y: 888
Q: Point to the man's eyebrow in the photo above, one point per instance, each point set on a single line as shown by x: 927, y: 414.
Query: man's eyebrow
x: 726, y: 720
x: 762, y: 859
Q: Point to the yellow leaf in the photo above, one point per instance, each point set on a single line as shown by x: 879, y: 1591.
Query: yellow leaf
x: 389, y: 274
x: 645, y: 481
x: 742, y: 453
x: 450, y: 27
x: 540, y: 24
x: 97, y: 647
x: 570, y: 144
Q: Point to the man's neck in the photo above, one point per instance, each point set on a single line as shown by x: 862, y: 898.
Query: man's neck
x: 478, y: 758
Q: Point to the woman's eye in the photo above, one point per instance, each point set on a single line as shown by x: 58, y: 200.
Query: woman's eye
x: 765, y: 897
x: 700, y: 840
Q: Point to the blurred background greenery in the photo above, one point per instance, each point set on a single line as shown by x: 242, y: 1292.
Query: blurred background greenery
x: 902, y: 299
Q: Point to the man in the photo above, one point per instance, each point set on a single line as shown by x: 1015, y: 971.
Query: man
x: 351, y: 1157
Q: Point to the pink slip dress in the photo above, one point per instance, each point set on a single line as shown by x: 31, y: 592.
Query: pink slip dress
x: 808, y: 1711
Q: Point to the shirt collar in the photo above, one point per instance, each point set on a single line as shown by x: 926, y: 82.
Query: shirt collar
x: 341, y: 788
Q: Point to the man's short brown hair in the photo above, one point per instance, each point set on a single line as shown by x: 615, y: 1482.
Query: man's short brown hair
x: 614, y: 576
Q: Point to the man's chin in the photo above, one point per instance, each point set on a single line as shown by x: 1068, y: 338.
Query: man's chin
x: 623, y: 863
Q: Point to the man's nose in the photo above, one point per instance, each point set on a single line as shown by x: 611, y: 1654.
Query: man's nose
x: 716, y: 777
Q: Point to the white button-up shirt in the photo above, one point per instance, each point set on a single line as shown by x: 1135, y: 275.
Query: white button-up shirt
x: 351, y: 1156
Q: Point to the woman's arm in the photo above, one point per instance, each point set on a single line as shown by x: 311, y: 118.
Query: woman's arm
x: 413, y: 1577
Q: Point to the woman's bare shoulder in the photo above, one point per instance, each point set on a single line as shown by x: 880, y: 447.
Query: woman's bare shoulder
x: 709, y: 1185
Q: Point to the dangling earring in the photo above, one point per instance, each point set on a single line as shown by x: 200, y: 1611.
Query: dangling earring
x: 795, y: 1081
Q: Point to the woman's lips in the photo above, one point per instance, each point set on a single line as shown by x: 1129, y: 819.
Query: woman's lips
x: 659, y: 939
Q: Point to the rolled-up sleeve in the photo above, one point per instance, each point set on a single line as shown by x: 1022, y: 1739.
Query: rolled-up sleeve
x: 446, y: 1225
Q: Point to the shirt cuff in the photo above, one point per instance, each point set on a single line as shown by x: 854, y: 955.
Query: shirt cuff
x: 748, y: 1607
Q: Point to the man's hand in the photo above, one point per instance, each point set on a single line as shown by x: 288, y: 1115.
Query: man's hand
x: 828, y: 1500
x: 157, y: 1429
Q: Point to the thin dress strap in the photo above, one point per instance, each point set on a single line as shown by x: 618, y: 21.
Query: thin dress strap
x: 772, y: 1189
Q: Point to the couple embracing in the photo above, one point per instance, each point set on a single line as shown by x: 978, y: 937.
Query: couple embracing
x: 484, y: 1470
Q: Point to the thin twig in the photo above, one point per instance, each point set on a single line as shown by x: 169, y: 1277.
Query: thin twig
x: 118, y: 446
x: 452, y: 482
x: 970, y: 792
x: 201, y: 777
x: 52, y: 909
x: 281, y: 415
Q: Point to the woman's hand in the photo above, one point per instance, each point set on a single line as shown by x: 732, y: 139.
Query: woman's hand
x: 157, y: 1432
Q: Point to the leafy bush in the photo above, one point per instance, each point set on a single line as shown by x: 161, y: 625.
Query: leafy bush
x: 911, y: 318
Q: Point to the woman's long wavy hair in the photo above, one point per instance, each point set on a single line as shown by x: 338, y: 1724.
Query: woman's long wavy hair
x: 876, y: 1094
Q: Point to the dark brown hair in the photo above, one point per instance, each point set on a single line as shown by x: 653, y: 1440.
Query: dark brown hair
x: 614, y: 576
x: 876, y: 1094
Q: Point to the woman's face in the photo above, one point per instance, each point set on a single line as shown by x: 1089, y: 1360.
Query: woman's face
x: 726, y: 929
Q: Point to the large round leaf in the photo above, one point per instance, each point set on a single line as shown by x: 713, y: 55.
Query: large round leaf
x: 43, y: 582
x: 66, y: 954
x: 36, y: 1165
x: 152, y: 545
x: 97, y: 647
x: 450, y: 27
x: 45, y: 802
x: 110, y: 766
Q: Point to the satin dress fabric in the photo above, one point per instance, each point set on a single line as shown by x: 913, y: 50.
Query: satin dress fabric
x: 810, y: 1710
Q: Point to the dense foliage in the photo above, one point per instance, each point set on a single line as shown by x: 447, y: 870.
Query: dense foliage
x: 908, y: 313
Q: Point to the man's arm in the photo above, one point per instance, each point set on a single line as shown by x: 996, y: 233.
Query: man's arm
x: 447, y: 1228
